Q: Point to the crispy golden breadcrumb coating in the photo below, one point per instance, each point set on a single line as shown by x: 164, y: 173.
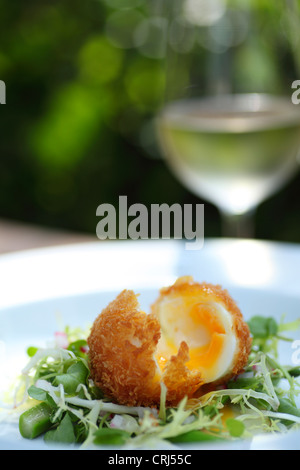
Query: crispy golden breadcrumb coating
x: 123, y: 342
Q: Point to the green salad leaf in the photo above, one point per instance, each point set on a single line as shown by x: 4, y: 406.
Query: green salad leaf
x: 263, y: 327
x: 110, y: 436
x: 75, y: 375
x: 63, y: 433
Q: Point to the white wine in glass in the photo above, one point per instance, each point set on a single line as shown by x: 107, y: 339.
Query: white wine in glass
x: 228, y: 129
x: 233, y: 150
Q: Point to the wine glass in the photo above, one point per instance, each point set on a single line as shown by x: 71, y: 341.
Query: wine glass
x: 229, y: 129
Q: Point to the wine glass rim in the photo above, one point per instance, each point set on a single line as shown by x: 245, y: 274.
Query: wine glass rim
x: 248, y: 110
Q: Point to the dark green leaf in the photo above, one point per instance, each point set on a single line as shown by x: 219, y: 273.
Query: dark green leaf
x: 263, y: 327
x: 294, y: 371
x: 63, y: 433
x: 286, y: 406
x: 245, y: 383
x: 37, y: 393
x: 76, y: 374
x: 195, y: 436
x: 110, y: 436
x: 40, y: 395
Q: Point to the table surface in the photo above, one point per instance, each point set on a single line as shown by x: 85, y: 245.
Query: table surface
x: 17, y: 236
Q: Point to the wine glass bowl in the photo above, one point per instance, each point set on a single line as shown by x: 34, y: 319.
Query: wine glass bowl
x: 229, y: 139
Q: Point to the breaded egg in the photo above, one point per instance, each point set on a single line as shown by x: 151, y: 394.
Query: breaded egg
x: 194, y: 335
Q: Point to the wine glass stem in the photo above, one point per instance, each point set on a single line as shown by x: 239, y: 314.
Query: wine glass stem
x: 238, y: 225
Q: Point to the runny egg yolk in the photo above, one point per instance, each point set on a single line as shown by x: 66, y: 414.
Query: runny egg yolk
x: 206, y: 327
x: 206, y: 355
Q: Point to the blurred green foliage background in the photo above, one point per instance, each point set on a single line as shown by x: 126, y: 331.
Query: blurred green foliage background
x: 83, y: 85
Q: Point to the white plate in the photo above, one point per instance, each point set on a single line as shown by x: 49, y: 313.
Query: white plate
x: 73, y: 283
